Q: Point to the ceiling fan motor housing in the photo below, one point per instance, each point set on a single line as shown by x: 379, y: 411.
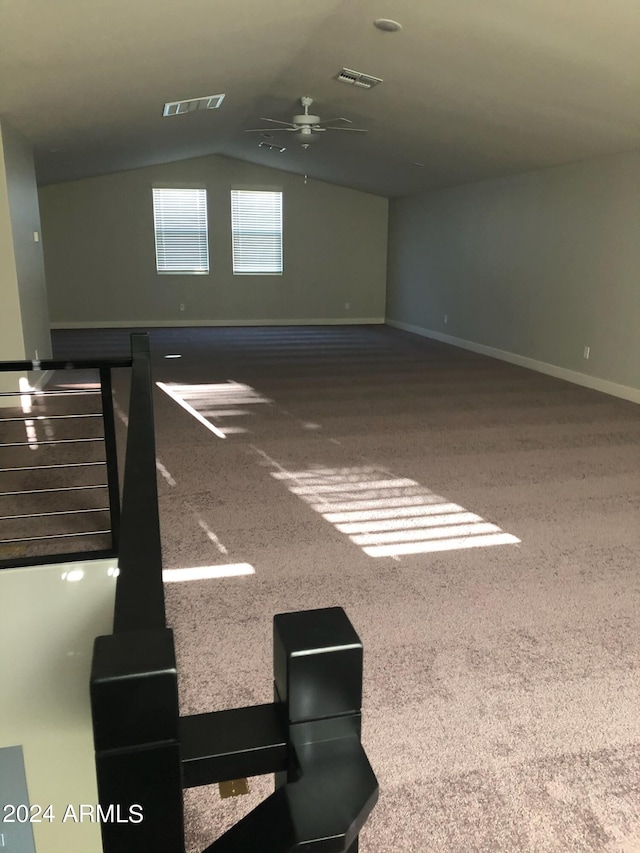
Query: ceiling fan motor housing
x: 306, y: 119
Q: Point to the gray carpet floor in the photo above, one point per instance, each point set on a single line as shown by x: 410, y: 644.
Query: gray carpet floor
x: 502, y: 691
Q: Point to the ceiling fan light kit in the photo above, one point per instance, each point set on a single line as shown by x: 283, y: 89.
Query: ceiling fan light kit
x: 271, y: 147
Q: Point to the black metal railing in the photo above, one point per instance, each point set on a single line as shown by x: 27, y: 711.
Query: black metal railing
x: 35, y: 532
x: 146, y: 753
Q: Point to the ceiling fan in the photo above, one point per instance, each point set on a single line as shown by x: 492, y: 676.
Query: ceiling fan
x: 306, y: 127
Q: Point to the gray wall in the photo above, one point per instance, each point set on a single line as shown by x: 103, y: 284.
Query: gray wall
x: 100, y: 261
x: 539, y: 265
x: 24, y: 323
x: 11, y: 341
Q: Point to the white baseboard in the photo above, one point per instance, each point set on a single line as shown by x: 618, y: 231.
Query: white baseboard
x: 626, y: 392
x: 152, y: 324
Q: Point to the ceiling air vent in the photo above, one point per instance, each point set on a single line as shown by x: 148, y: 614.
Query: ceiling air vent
x: 357, y: 78
x: 177, y: 108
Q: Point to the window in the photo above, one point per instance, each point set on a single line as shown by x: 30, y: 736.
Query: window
x: 180, y: 221
x: 256, y: 226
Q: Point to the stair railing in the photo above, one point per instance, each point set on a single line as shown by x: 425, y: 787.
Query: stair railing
x: 27, y: 490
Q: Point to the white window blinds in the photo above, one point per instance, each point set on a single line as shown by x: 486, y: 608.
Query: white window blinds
x: 180, y: 221
x: 256, y: 225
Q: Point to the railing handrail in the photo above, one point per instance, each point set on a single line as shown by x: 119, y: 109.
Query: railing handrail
x: 63, y: 364
x: 139, y: 603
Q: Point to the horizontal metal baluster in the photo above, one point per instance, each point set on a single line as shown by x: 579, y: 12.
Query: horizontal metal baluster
x: 48, y: 417
x: 56, y: 536
x: 61, y: 465
x: 57, y: 489
x: 46, y: 393
x: 57, y: 512
x: 56, y: 441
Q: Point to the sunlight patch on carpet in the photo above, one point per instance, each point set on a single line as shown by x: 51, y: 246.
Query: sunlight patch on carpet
x: 390, y: 516
x: 198, y: 573
x: 208, y: 403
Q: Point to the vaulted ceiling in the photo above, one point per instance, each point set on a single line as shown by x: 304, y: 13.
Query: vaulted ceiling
x: 471, y: 89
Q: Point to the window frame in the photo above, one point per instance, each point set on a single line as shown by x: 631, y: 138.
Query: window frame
x: 235, y: 259
x: 200, y: 213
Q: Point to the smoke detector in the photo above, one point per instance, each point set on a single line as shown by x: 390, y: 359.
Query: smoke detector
x: 387, y: 25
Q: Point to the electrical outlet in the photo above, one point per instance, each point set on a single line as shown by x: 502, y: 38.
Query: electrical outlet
x: 347, y: 305
x: 586, y: 352
x: 182, y: 306
x: 446, y: 318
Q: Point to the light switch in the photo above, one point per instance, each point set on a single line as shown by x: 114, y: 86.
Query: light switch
x: 36, y: 237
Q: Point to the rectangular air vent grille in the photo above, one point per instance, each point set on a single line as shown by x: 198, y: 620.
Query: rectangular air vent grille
x: 357, y: 78
x: 177, y: 108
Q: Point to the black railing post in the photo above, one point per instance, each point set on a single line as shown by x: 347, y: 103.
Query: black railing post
x: 317, y: 662
x: 134, y: 700
x: 134, y: 684
x: 327, y: 789
x: 111, y: 452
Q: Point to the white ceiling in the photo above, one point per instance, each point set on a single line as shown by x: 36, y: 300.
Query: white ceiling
x: 472, y: 88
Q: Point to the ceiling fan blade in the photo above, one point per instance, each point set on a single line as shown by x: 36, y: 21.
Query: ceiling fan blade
x: 329, y: 120
x: 350, y: 129
x: 268, y: 129
x: 275, y: 121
